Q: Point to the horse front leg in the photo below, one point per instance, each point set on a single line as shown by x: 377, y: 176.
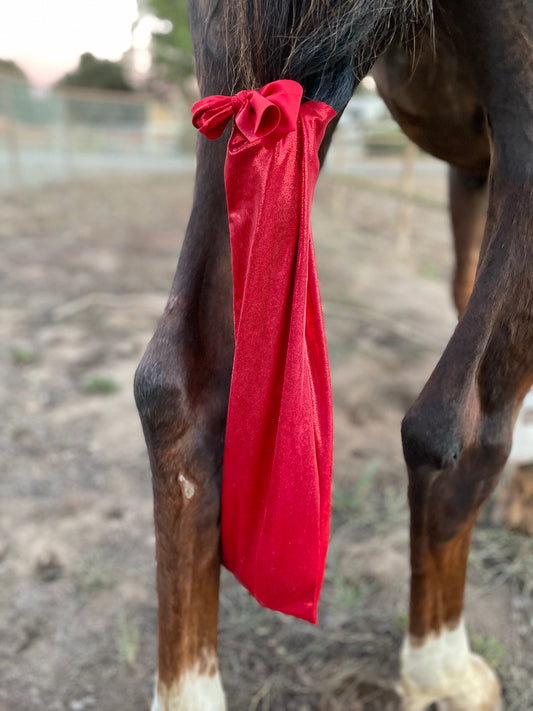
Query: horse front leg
x: 181, y: 389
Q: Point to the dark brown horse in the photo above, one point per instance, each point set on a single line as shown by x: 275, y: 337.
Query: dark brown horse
x: 459, y: 80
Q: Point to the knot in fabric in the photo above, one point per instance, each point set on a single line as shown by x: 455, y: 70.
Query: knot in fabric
x: 238, y: 100
x: 270, y: 112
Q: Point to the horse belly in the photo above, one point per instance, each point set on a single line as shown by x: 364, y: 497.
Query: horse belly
x: 433, y: 99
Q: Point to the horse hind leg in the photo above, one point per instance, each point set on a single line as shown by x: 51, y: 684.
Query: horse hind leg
x: 181, y: 389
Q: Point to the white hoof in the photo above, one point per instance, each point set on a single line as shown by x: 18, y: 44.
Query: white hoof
x: 443, y: 669
x: 450, y: 705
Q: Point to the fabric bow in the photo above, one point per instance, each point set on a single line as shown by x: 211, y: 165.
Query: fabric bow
x: 270, y: 112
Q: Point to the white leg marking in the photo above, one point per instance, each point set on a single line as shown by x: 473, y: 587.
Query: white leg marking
x: 192, y: 692
x: 443, y: 667
x: 187, y: 486
x: 522, y: 449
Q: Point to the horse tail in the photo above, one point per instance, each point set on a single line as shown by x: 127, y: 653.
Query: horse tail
x: 326, y: 45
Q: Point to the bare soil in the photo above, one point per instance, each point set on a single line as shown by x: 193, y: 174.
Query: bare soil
x: 85, y: 271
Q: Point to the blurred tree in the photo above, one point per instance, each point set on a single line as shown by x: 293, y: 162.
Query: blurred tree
x: 172, y: 51
x: 96, y: 73
x: 8, y: 66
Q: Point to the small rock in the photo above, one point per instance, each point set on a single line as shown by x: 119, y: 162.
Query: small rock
x: 48, y: 567
x: 86, y: 702
x: 520, y: 602
x: 115, y: 512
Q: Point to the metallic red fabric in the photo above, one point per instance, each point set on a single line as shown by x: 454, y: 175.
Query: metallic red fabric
x: 276, y: 488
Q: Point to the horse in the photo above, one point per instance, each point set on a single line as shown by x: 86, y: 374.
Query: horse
x: 458, y: 77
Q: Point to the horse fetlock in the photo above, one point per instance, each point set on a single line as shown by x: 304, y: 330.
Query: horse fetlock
x: 443, y: 669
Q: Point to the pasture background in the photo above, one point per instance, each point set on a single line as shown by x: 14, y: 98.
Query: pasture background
x: 85, y: 270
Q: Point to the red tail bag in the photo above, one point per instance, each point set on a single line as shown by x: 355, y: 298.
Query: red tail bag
x: 276, y: 489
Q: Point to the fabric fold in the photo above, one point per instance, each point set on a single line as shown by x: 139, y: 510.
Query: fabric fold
x: 276, y: 488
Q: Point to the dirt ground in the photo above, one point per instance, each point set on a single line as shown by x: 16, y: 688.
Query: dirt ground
x: 85, y: 270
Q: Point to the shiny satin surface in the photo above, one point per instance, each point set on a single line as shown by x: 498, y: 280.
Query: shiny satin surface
x: 276, y: 491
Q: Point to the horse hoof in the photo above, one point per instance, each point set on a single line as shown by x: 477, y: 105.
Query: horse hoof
x: 475, y: 688
x: 491, y: 704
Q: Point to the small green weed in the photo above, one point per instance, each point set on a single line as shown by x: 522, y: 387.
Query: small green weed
x: 355, y: 500
x: 429, y: 271
x: 99, y: 385
x: 400, y: 620
x: 128, y: 639
x: 93, y: 576
x: 23, y: 355
x: 352, y: 591
x: 490, y: 648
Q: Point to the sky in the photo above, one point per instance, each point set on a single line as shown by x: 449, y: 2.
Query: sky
x: 46, y: 37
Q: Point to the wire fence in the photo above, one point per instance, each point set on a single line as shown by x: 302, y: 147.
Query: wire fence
x: 64, y: 134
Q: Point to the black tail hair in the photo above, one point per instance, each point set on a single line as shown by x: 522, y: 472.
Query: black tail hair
x: 326, y: 45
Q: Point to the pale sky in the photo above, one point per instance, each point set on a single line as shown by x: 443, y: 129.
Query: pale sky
x: 46, y: 37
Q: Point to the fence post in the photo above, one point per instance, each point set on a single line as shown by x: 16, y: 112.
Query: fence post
x: 406, y: 211
x: 66, y: 134
x: 13, y: 153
